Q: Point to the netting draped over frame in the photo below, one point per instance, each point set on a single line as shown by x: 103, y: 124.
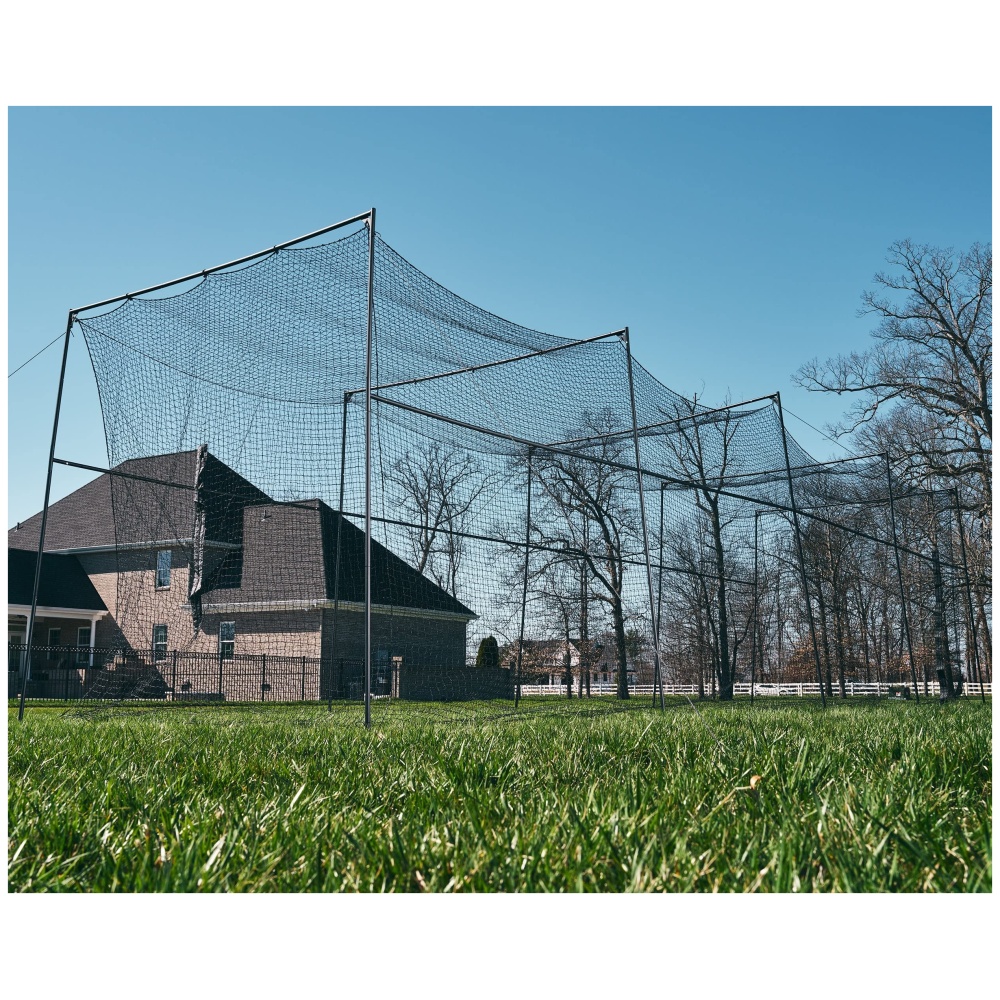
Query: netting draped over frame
x: 508, y: 538
x: 287, y: 332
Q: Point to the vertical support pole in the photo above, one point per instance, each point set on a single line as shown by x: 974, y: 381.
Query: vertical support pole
x: 524, y: 589
x: 899, y: 576
x: 263, y: 674
x: 368, y: 469
x: 30, y: 630
x: 659, y: 593
x: 780, y: 625
x: 586, y: 647
x: 642, y: 511
x: 336, y: 560
x: 753, y: 638
x: 173, y: 677
x: 302, y: 693
x: 801, y: 552
x: 968, y: 595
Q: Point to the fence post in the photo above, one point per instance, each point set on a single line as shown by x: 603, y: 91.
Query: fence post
x: 173, y: 678
x: 220, y: 675
x: 302, y: 695
x: 263, y: 674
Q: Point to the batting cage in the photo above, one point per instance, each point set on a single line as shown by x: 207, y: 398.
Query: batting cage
x: 335, y: 484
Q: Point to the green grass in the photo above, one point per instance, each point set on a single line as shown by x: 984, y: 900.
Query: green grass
x: 865, y: 796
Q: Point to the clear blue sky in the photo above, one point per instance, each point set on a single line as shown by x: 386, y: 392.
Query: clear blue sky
x: 734, y: 243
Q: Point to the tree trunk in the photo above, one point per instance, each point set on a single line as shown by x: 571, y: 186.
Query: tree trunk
x: 725, y: 664
x: 838, y: 638
x: 942, y: 652
x: 983, y: 628
x: 826, y: 636
x: 838, y: 624
x: 616, y: 608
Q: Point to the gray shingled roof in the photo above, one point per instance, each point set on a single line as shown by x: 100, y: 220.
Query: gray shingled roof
x: 290, y: 553
x: 63, y: 585
x: 145, y: 511
x: 289, y: 549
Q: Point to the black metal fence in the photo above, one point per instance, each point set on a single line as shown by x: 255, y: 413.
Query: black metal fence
x: 74, y: 673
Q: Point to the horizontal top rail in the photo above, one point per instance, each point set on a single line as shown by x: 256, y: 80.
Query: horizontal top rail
x: 364, y: 216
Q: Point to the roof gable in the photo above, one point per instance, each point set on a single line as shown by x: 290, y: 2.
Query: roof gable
x: 290, y: 554
x: 116, y: 510
x: 394, y: 582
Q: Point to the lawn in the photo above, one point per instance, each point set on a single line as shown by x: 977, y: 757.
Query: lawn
x: 864, y: 796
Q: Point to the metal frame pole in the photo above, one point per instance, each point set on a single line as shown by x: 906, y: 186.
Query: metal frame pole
x: 899, y: 575
x: 968, y: 596
x: 670, y: 481
x: 642, y: 512
x: 524, y: 590
x: 232, y: 263
x: 659, y: 595
x: 368, y: 469
x: 753, y: 641
x: 336, y: 561
x: 30, y: 629
x: 469, y: 369
x: 801, y: 551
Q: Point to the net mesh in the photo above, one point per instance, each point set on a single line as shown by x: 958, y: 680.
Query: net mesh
x: 549, y: 521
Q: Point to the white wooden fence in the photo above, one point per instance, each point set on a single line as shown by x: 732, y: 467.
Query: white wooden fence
x: 761, y: 690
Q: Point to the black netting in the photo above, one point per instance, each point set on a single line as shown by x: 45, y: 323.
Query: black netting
x: 511, y: 564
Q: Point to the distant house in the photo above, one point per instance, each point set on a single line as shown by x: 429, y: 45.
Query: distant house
x: 180, y: 553
x: 544, y: 661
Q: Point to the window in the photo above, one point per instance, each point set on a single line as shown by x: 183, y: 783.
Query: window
x: 163, y: 568
x: 83, y: 639
x: 159, y: 642
x: 55, y: 636
x: 227, y: 640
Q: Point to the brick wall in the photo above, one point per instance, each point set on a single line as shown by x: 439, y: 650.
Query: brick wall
x: 427, y: 642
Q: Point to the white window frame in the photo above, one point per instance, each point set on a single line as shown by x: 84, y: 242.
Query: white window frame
x: 223, y: 643
x: 56, y: 641
x: 167, y: 569
x: 157, y: 651
x: 83, y: 644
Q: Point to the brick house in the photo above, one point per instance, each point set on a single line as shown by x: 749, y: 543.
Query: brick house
x: 69, y: 608
x: 183, y: 554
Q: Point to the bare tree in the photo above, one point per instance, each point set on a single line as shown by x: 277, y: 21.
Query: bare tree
x: 932, y: 359
x: 436, y: 487
x: 701, y: 443
x: 587, y: 510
